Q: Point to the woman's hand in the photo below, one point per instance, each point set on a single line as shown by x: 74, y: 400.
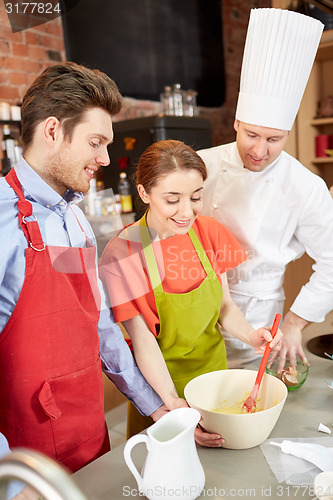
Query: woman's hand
x: 207, y: 439
x: 201, y: 436
x: 259, y: 339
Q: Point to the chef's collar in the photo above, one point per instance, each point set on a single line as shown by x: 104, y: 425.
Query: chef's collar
x: 237, y: 161
x: 38, y: 190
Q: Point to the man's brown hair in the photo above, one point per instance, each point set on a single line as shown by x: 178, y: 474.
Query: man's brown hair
x: 67, y: 91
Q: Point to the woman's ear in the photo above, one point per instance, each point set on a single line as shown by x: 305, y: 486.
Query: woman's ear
x: 142, y: 193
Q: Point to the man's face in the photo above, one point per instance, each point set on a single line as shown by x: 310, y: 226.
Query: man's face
x: 258, y: 146
x: 75, y: 161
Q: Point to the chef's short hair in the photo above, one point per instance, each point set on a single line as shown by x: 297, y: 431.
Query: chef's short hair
x: 162, y: 158
x: 67, y: 91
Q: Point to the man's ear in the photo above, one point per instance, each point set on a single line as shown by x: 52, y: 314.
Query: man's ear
x: 143, y: 194
x: 236, y: 123
x: 51, y: 129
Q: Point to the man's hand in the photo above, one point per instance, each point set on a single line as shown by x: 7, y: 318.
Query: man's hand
x: 162, y: 410
x: 201, y: 436
x: 157, y: 414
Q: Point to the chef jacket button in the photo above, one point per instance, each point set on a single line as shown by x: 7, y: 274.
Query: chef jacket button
x: 62, y: 203
x: 224, y: 169
x: 215, y: 206
x: 48, y: 205
x: 239, y: 281
x: 269, y: 180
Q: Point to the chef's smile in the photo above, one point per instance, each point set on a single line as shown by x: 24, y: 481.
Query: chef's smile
x: 258, y: 146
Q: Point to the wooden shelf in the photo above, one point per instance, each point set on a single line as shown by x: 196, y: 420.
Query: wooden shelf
x: 318, y: 122
x: 11, y: 122
x: 326, y: 46
x: 328, y: 159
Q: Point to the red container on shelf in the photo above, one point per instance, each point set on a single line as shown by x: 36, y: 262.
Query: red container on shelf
x: 322, y: 143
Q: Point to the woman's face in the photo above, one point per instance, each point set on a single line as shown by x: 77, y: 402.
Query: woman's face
x: 174, y: 202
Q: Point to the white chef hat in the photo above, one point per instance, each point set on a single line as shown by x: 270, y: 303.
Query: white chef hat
x: 279, y: 51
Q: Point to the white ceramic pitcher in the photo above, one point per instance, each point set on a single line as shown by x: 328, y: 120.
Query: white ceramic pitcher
x: 172, y: 469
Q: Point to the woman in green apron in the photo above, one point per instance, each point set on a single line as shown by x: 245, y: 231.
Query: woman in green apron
x: 165, y: 275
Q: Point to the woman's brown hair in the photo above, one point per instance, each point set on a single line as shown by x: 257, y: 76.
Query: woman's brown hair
x: 163, y: 157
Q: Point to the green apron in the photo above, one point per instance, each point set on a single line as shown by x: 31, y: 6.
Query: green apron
x: 189, y: 337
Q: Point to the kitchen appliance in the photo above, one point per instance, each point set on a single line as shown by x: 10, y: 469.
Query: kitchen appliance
x: 132, y: 137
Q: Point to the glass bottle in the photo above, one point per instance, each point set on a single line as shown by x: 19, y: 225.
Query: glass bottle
x: 124, y: 190
x: 190, y: 104
x: 177, y: 95
x: 167, y: 101
x: 8, y: 145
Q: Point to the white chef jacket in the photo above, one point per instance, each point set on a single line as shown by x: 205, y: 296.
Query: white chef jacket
x: 276, y: 215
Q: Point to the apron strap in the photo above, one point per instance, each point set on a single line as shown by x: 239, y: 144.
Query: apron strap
x: 153, y: 271
x: 205, y: 262
x: 148, y: 251
x: 30, y: 228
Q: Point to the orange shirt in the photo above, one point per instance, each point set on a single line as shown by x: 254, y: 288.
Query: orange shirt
x: 124, y: 273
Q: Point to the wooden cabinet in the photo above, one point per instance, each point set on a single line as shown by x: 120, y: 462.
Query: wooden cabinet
x: 307, y: 127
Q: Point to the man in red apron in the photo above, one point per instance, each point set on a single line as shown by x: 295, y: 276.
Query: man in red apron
x: 54, y: 335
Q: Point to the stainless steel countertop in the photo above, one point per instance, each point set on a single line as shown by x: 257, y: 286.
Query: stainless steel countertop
x: 233, y: 473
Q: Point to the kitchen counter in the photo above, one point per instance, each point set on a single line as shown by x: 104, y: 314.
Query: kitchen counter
x: 233, y: 473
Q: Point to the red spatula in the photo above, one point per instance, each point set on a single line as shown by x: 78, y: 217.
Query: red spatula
x: 250, y: 403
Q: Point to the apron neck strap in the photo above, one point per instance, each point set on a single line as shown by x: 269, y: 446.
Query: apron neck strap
x: 30, y: 228
x: 149, y: 255
x: 148, y: 251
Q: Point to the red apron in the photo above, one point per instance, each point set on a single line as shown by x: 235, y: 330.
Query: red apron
x: 51, y: 388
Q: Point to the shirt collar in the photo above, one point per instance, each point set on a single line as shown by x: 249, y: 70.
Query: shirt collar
x: 39, y: 190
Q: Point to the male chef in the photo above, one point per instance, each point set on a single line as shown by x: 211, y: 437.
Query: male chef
x: 275, y: 206
x: 56, y: 331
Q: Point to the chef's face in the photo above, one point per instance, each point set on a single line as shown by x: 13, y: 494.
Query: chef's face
x: 74, y: 161
x: 258, y: 146
x: 174, y: 202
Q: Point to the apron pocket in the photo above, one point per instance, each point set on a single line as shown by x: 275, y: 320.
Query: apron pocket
x: 75, y: 405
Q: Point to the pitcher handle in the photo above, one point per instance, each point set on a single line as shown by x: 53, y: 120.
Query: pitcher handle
x: 133, y: 441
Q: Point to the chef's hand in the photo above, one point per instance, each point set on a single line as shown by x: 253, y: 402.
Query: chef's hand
x: 292, y: 326
x: 259, y: 338
x: 207, y: 439
x: 331, y: 190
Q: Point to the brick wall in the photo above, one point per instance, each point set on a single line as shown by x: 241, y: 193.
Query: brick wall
x: 235, y: 16
x: 25, y: 54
